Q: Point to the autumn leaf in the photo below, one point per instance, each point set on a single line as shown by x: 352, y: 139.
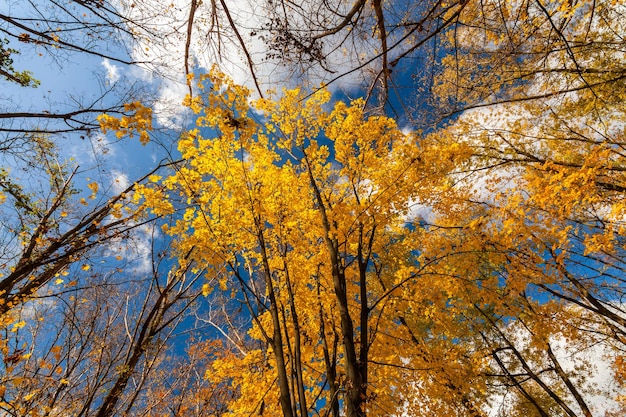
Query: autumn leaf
x: 18, y: 325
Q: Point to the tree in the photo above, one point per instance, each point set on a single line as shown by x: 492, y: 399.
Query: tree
x: 181, y: 387
x: 57, y: 312
x: 540, y: 89
x: 23, y: 78
x: 88, y: 346
x: 97, y: 34
x: 48, y: 226
x: 506, y: 52
x: 317, y: 251
x: 58, y: 30
x: 374, y: 38
x: 97, y: 344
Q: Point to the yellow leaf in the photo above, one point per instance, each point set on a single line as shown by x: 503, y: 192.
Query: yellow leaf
x: 18, y: 325
x: 94, y: 189
x: 85, y: 267
x: 206, y: 290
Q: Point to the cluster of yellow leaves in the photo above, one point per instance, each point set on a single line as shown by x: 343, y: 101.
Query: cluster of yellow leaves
x: 139, y: 121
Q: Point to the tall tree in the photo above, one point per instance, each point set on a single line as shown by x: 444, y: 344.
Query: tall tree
x: 540, y: 85
x: 317, y: 250
x: 98, y: 342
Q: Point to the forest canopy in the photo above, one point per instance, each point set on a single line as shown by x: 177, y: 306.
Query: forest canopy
x: 326, y: 209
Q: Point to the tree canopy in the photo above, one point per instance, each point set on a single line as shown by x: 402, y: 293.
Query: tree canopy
x: 448, y: 242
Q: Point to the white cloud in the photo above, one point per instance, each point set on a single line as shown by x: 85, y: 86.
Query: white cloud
x: 169, y: 111
x: 113, y: 71
x: 141, y: 250
x: 135, y: 249
x: 119, y: 181
x: 421, y: 212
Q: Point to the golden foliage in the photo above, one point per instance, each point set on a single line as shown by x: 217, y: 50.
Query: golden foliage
x: 137, y: 120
